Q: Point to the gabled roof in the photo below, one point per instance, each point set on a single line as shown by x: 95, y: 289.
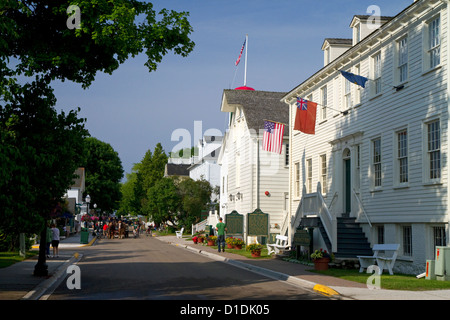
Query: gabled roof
x: 258, y: 106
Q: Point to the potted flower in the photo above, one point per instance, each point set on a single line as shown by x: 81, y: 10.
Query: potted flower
x: 195, y: 239
x: 255, y: 249
x: 229, y: 241
x: 212, y: 240
x: 238, y: 243
x: 321, y: 258
x: 200, y: 238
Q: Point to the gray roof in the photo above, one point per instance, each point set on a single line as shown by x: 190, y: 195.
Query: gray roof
x: 339, y: 41
x: 259, y: 106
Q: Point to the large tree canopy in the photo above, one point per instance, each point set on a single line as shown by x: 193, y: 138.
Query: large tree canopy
x: 40, y: 149
x: 111, y: 31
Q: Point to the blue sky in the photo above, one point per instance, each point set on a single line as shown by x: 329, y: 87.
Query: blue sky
x: 133, y: 109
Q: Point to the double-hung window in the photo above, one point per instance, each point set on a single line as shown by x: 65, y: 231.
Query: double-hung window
x: 403, y: 60
x: 309, y: 176
x: 434, y: 43
x: 377, y: 73
x: 376, y: 162
x: 433, y: 151
x: 323, y: 173
x: 402, y: 157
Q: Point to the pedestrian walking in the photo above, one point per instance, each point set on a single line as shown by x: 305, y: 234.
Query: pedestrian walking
x: 221, y: 229
x: 55, y: 241
x: 48, y: 240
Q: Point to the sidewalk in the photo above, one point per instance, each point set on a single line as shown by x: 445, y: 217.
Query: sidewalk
x: 298, y: 275
x: 18, y: 283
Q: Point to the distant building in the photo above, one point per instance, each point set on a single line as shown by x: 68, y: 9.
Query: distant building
x: 205, y: 166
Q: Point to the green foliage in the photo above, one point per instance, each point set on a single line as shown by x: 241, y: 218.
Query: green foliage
x: 103, y: 174
x: 164, y: 201
x: 40, y: 150
x: 112, y: 31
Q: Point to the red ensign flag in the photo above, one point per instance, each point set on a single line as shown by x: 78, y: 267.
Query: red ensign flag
x: 305, y: 119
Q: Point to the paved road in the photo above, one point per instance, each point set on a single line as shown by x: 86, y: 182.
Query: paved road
x: 146, y: 268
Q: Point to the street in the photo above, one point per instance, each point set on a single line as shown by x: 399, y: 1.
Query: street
x: 149, y: 269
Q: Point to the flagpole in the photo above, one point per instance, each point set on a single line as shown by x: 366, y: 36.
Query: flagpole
x: 246, y: 47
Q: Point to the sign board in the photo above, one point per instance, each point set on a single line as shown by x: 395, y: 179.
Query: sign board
x: 235, y: 223
x: 302, y: 238
x: 257, y: 223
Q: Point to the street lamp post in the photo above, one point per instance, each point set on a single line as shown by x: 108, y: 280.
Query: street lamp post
x: 88, y: 200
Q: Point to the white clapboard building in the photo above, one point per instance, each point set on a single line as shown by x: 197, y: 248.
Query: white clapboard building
x: 379, y: 155
x: 252, y: 178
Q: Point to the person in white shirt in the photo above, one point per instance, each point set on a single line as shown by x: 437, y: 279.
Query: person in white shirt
x: 55, y: 240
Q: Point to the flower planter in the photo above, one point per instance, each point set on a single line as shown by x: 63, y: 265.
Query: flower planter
x: 211, y: 242
x: 238, y: 246
x: 229, y: 246
x: 256, y: 253
x: 200, y: 240
x: 321, y: 264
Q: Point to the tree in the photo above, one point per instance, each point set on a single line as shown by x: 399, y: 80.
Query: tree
x: 195, y: 197
x: 164, y: 201
x: 148, y: 172
x: 39, y: 152
x: 36, y: 33
x: 103, y: 174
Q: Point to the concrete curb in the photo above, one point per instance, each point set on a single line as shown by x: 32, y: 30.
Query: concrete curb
x: 319, y: 288
x: 56, y: 278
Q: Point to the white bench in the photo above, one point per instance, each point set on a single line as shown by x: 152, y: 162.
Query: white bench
x: 280, y: 244
x: 179, y: 234
x: 384, y: 261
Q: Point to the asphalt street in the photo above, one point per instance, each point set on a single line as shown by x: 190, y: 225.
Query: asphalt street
x: 149, y: 269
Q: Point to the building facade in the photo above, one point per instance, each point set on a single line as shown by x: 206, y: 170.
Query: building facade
x: 380, y: 153
x: 252, y: 178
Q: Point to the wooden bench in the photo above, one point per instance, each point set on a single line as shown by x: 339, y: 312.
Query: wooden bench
x: 280, y: 244
x: 384, y: 261
x: 179, y: 234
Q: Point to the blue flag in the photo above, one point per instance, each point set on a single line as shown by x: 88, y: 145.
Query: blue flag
x: 353, y: 78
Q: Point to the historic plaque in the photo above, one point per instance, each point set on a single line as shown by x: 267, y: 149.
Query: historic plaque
x: 302, y: 238
x: 258, y: 223
x: 235, y: 223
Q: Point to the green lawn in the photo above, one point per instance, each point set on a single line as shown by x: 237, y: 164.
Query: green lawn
x: 9, y: 258
x: 394, y: 282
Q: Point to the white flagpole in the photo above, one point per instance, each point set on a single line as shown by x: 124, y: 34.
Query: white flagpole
x: 246, y: 47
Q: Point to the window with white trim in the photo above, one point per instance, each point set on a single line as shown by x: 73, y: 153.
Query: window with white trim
x: 323, y: 110
x: 433, y: 155
x: 323, y: 173
x: 309, y: 176
x: 377, y: 73
x: 376, y: 162
x: 401, y: 165
x: 348, y: 94
x: 407, y: 241
x: 434, y: 43
x: 402, y: 60
x: 297, y: 179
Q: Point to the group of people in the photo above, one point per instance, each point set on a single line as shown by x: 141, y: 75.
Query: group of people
x: 118, y: 228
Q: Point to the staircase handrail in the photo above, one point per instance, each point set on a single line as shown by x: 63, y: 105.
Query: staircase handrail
x: 361, y: 207
x: 328, y: 220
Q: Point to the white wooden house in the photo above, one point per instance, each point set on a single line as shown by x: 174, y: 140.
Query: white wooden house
x: 380, y: 153
x: 252, y: 178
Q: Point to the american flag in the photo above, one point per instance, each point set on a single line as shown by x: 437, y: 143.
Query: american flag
x: 273, y: 136
x: 240, y: 55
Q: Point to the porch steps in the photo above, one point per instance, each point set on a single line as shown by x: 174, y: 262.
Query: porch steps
x: 351, y: 240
